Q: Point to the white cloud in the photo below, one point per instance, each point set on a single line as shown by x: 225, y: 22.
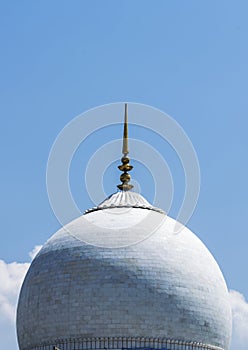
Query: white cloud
x: 12, y: 275
x: 11, y: 278
x: 240, y: 321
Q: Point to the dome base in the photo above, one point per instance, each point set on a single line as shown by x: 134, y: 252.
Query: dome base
x: 124, y: 343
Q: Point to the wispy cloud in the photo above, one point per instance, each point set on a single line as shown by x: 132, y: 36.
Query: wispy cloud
x: 35, y: 251
x: 12, y: 275
x: 240, y: 321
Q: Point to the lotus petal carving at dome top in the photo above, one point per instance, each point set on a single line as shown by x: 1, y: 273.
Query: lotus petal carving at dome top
x: 125, y: 199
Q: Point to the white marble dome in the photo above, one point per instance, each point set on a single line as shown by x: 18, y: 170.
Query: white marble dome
x: 120, y: 277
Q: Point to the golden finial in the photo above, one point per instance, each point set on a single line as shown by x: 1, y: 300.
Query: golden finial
x: 125, y: 167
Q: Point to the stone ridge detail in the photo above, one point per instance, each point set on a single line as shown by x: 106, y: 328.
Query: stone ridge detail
x: 122, y: 206
x: 116, y: 343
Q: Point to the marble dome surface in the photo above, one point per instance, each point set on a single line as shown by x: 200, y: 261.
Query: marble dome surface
x: 121, y: 272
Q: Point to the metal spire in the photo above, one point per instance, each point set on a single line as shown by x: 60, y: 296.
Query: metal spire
x: 125, y: 167
x: 125, y: 134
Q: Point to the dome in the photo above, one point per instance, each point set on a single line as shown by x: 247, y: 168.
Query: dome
x: 120, y: 277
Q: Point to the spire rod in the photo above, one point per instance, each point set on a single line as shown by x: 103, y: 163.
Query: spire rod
x: 125, y: 133
x: 125, y: 166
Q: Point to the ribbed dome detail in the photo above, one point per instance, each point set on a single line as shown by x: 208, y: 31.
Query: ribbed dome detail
x: 125, y: 199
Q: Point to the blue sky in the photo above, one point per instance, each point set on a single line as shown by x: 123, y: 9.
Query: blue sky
x: 186, y: 58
